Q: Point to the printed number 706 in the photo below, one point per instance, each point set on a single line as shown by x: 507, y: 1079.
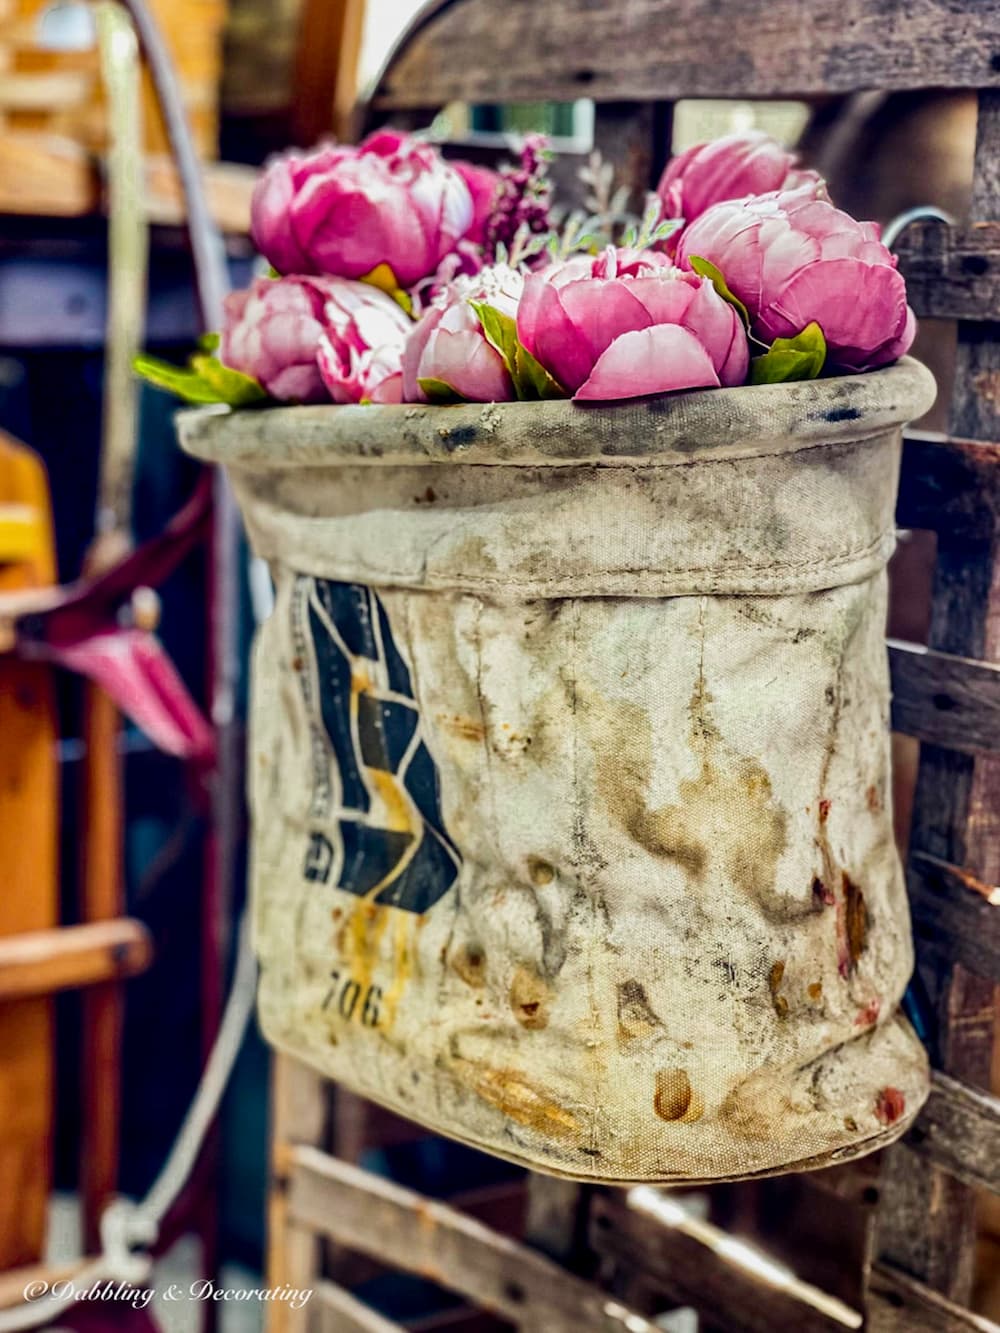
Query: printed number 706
x: 353, y: 1000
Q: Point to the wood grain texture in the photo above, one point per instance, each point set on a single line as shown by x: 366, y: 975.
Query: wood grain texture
x: 29, y: 807
x: 337, y: 1311
x: 952, y: 272
x: 951, y: 486
x: 478, y: 51
x: 959, y: 1131
x: 955, y: 915
x: 42, y: 962
x: 950, y: 701
x: 299, y: 1114
x: 635, y: 138
x: 898, y: 1304
x: 374, y: 1216
x: 689, y: 1273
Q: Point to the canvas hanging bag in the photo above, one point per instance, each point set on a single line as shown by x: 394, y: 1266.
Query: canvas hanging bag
x: 569, y: 769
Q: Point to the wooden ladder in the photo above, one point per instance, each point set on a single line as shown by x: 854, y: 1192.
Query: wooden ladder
x: 38, y: 957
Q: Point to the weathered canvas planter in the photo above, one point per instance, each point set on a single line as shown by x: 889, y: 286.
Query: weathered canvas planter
x: 569, y: 770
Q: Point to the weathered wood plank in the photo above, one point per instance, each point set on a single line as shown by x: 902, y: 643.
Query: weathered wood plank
x: 299, y: 1114
x: 727, y: 1294
x: 952, y: 272
x: 635, y: 138
x: 950, y: 485
x: 41, y: 962
x: 950, y: 701
x: 374, y: 1216
x: 478, y: 51
x: 340, y: 1312
x: 898, y: 1304
x: 959, y: 1131
x: 955, y: 914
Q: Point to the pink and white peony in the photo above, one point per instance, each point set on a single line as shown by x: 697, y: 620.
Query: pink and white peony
x: 278, y: 328
x: 344, y: 211
x: 628, y: 324
x: 360, y: 354
x: 448, y: 344
x: 792, y: 258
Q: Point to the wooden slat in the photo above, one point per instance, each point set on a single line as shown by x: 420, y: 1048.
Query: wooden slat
x: 374, y: 1216
x: 950, y: 485
x: 479, y: 51
x: 955, y: 915
x: 690, y: 1273
x: 947, y: 700
x: 959, y: 1131
x: 952, y: 272
x: 299, y: 1114
x: 340, y: 1312
x: 634, y: 137
x: 42, y: 962
x: 56, y: 177
x: 898, y: 1304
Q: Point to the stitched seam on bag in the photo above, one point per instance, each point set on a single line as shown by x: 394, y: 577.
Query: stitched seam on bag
x: 486, y: 581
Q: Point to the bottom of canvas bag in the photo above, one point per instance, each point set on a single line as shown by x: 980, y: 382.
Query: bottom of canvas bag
x: 779, y: 1121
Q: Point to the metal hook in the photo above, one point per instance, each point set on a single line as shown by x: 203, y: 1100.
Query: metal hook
x: 902, y: 221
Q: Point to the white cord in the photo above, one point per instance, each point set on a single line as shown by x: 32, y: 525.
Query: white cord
x: 127, y: 1226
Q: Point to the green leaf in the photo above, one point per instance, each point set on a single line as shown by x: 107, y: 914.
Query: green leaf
x: 500, y: 332
x: 207, y: 380
x: 209, y: 342
x: 706, y: 270
x: 437, y: 392
x: 530, y: 378
x: 787, y: 359
x: 232, y: 386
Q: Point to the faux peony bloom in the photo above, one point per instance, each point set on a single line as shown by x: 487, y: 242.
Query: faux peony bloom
x: 792, y: 258
x: 344, y: 211
x: 274, y: 331
x: 448, y: 345
x: 629, y: 323
x: 360, y: 354
x: 727, y: 168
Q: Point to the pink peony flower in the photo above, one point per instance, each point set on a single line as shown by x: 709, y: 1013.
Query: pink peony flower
x: 271, y: 205
x: 793, y: 258
x: 275, y: 329
x: 343, y: 211
x: 448, y: 343
x: 482, y: 186
x: 627, y: 324
x: 727, y: 168
x: 360, y: 354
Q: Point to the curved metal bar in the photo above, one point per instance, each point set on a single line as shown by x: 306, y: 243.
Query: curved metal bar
x: 211, y: 274
x: 922, y: 213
